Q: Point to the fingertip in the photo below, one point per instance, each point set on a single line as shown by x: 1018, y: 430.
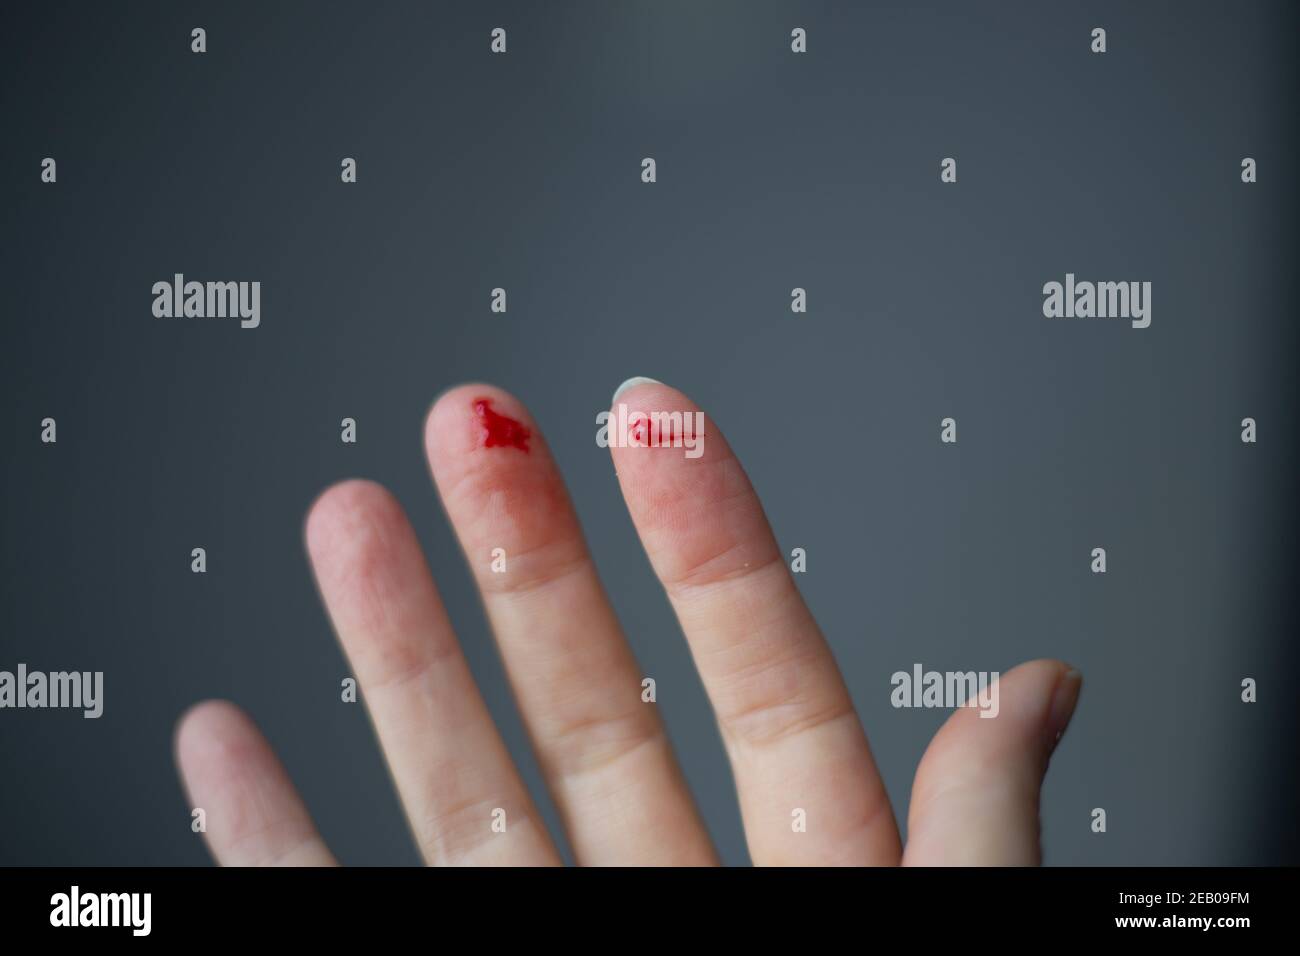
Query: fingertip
x: 334, y: 516
x: 1012, y: 722
x: 208, y: 732
x: 1026, y: 694
x: 473, y: 416
x: 206, y: 718
x: 641, y: 394
x: 1045, y: 693
x: 239, y: 790
x: 448, y: 406
x: 632, y: 383
x: 649, y: 414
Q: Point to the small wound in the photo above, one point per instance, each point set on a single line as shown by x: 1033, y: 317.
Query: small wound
x: 497, y: 430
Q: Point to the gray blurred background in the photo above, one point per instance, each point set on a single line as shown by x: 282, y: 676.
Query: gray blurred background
x: 775, y: 170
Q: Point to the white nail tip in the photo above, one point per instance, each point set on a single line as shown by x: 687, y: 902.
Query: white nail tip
x: 632, y: 383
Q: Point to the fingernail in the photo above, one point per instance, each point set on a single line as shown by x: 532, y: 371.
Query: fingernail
x: 633, y: 382
x: 1064, y: 699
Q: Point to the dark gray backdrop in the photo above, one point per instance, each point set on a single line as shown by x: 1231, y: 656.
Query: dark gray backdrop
x: 775, y: 171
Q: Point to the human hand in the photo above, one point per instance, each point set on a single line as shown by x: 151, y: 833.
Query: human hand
x: 788, y: 724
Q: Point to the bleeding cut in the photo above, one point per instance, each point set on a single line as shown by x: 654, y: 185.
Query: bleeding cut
x: 497, y: 430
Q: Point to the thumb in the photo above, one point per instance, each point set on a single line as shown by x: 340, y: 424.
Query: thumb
x: 975, y: 797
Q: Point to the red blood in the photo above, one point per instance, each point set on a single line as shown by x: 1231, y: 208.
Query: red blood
x: 497, y: 430
x: 643, y: 433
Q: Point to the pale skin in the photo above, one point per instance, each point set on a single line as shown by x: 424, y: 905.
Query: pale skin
x: 788, y: 725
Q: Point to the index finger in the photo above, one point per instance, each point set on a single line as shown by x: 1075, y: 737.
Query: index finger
x: 808, y: 786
